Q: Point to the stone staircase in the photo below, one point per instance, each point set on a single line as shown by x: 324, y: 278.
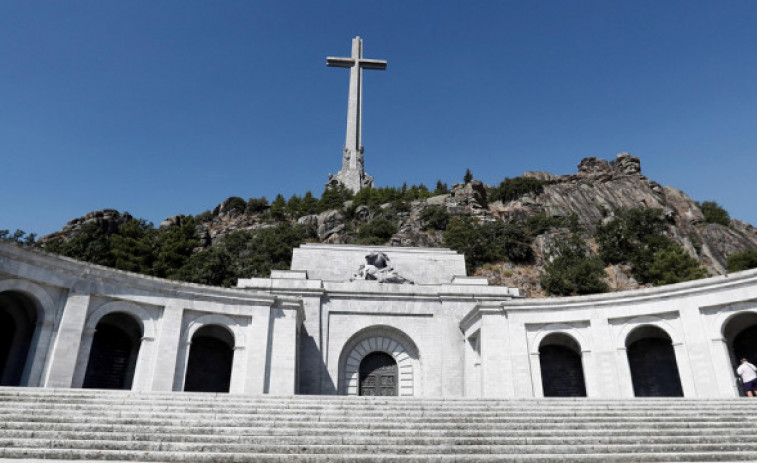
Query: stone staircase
x: 71, y: 424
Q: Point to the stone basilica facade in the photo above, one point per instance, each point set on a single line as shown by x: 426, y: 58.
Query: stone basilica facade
x: 352, y: 320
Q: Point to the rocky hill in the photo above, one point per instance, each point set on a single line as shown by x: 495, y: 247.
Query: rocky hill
x: 591, y: 198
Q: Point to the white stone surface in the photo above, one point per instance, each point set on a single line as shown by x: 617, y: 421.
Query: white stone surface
x: 450, y: 335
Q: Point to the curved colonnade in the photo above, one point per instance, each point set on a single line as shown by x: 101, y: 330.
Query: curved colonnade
x: 69, y: 324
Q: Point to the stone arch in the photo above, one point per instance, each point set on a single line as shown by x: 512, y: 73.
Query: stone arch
x: 235, y: 341
x: 739, y: 333
x: 386, y: 339
x: 113, y: 351
x: 28, y: 327
x: 139, y: 313
x: 647, y: 320
x: 143, y: 349
x: 652, y: 362
x: 560, y: 361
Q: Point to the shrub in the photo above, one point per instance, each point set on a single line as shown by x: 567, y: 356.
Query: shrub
x: 487, y: 243
x: 635, y: 236
x: 434, y: 218
x: 513, y: 188
x: 257, y: 205
x: 234, y: 203
x: 714, y: 213
x: 674, y: 265
x: 334, y: 197
x: 573, y: 271
x: 540, y: 223
x: 377, y: 231
x: 278, y: 208
x: 743, y: 260
x: 468, y: 177
x: 441, y: 188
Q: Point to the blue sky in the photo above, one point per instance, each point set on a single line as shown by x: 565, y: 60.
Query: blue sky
x: 160, y: 108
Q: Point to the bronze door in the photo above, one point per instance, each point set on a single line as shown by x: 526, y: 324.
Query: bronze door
x: 378, y: 375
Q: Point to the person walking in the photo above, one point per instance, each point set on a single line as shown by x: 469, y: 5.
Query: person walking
x: 748, y: 374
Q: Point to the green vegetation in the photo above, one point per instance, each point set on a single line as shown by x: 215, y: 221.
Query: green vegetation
x: 672, y: 265
x: 377, y: 231
x: 468, y: 177
x: 256, y: 205
x: 714, y: 213
x: 245, y: 254
x: 434, y: 218
x: 743, y: 260
x: 513, y: 188
x: 540, y: 223
x: 636, y: 236
x: 334, y: 197
x: 572, y: 270
x: 487, y: 243
x: 19, y: 236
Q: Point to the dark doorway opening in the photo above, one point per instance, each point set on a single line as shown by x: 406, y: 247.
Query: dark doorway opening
x: 378, y: 375
x: 740, y: 334
x: 18, y: 322
x: 114, y: 352
x: 562, y: 373
x: 210, y: 360
x: 654, y: 370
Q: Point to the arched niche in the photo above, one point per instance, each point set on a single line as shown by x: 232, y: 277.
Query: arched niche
x: 25, y: 353
x: 114, y: 352
x: 562, y: 373
x: 18, y: 324
x: 740, y: 334
x: 380, y: 339
x: 211, y: 356
x: 652, y: 362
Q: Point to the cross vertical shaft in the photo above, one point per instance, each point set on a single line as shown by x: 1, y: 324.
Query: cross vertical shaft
x: 353, y: 174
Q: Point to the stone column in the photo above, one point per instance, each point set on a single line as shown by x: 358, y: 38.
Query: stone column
x: 497, y: 375
x: 238, y: 370
x: 35, y: 366
x: 724, y: 372
x: 281, y: 377
x: 145, y: 367
x: 167, y: 349
x: 684, y: 370
x: 538, y: 386
x: 589, y: 372
x: 258, y: 334
x: 625, y: 377
x: 181, y: 365
x: 85, y: 348
x: 66, y: 346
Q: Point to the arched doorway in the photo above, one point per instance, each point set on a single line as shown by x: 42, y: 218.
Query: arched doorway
x: 114, y: 352
x: 210, y: 359
x: 378, y: 375
x: 740, y: 334
x: 18, y: 320
x: 562, y: 373
x: 651, y: 357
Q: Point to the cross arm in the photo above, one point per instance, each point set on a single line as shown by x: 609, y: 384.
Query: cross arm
x: 339, y: 62
x: 373, y: 64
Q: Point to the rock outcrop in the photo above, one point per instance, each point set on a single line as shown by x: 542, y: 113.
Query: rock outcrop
x: 592, y: 194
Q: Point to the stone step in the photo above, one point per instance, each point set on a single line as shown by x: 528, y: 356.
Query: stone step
x: 132, y: 426
x: 392, y: 431
x: 348, y: 407
x: 348, y: 438
x: 409, y: 423
x: 380, y: 448
x: 64, y: 455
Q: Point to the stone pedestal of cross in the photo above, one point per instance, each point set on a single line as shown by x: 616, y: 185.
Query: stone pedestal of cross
x: 353, y: 174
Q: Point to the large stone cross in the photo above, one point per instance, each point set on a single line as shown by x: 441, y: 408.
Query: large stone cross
x: 353, y: 174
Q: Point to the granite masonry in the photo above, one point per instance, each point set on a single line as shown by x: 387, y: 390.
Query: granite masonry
x: 327, y: 327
